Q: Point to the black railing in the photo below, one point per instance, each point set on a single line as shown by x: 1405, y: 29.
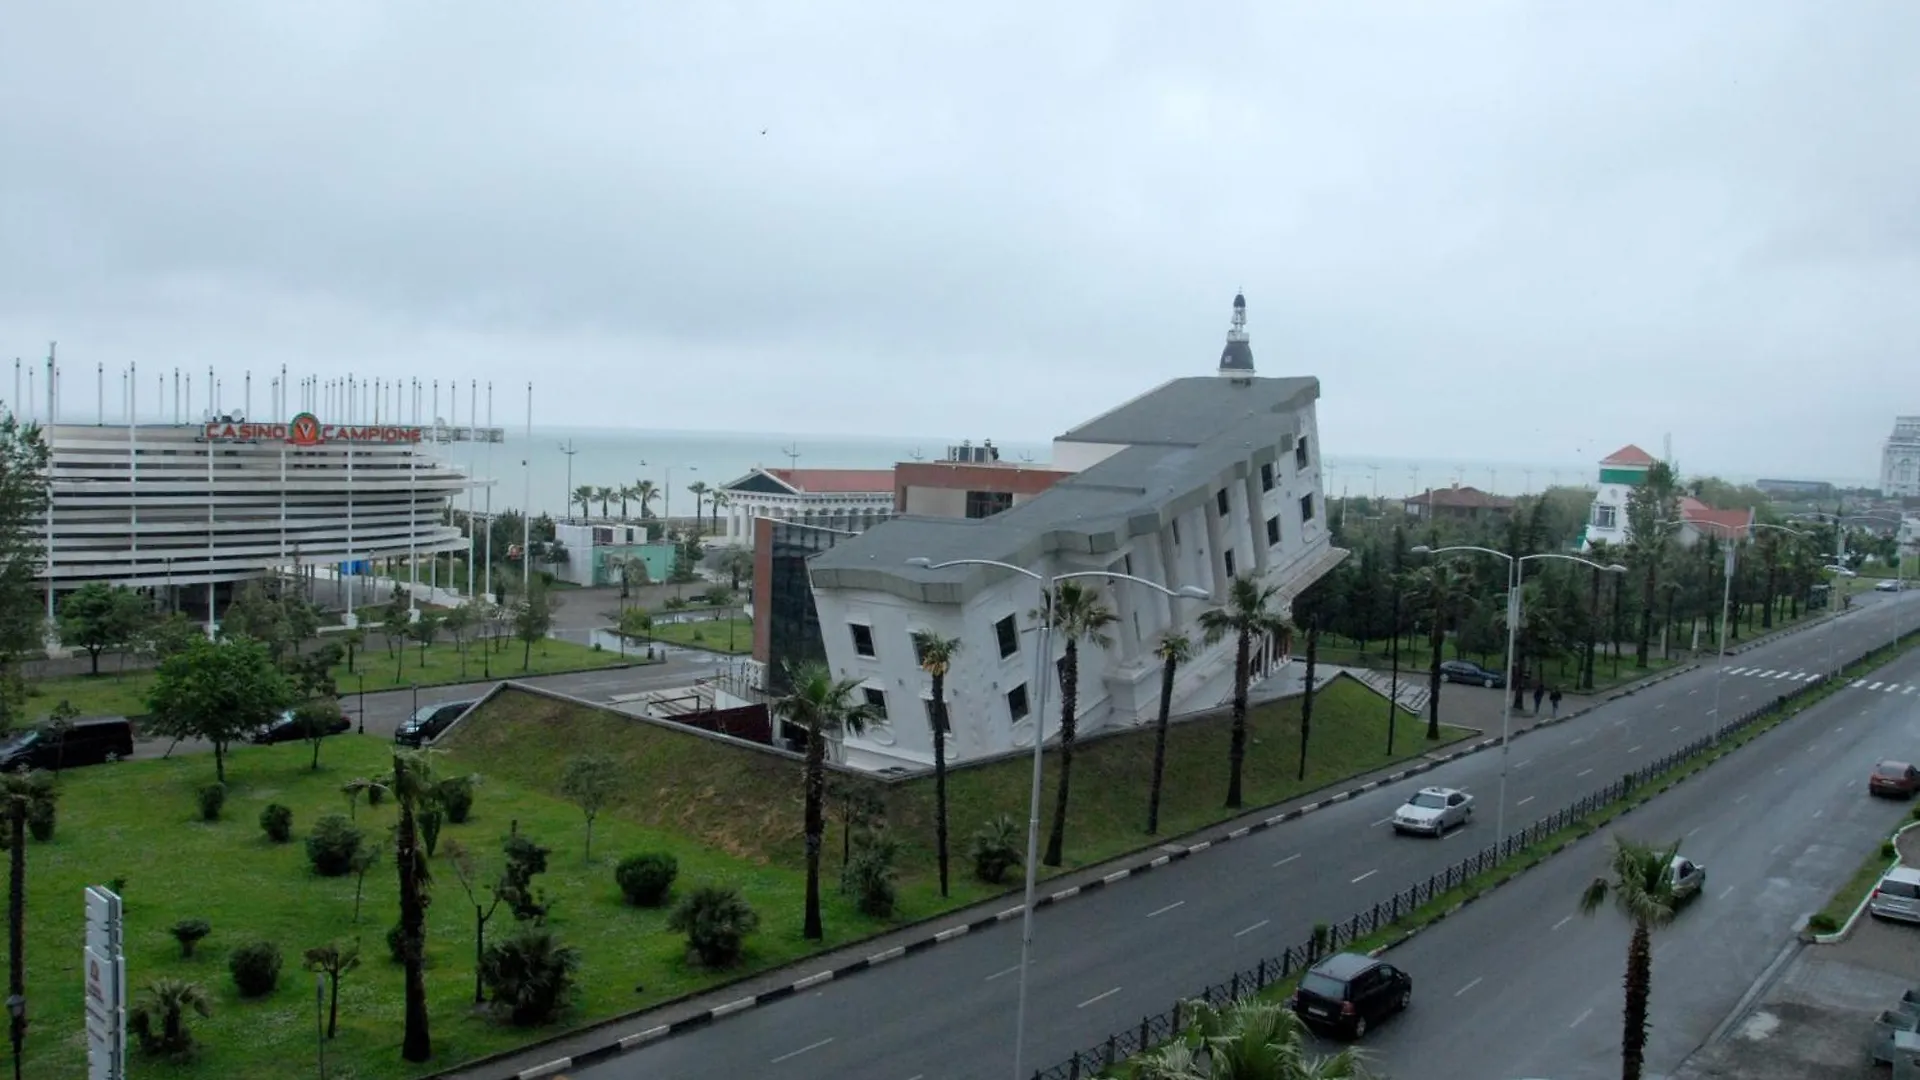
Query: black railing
x: 1330, y: 938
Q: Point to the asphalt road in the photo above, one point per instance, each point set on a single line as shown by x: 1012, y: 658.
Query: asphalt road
x: 1104, y: 960
x: 1520, y: 984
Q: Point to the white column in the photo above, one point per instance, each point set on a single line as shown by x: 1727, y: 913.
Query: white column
x: 1216, y: 549
x: 1256, y: 521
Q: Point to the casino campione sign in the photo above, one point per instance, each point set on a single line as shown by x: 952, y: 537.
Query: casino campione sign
x: 307, y: 430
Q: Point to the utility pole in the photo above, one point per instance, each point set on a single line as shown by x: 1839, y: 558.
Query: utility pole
x: 569, y: 449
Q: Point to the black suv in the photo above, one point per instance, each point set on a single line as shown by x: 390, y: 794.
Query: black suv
x: 1350, y: 992
x: 1466, y: 671
x: 427, y: 724
x: 84, y: 742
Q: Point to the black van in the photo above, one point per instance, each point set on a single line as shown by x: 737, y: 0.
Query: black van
x: 89, y: 741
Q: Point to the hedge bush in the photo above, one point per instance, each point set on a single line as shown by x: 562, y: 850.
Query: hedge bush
x: 277, y: 822
x: 647, y: 879
x: 255, y: 967
x: 332, y: 845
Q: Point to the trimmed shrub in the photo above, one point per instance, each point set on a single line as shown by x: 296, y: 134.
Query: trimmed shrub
x: 1888, y: 851
x: 213, y: 798
x: 869, y: 875
x: 277, y: 822
x: 40, y: 820
x: 716, y: 921
x: 525, y: 858
x: 332, y: 845
x: 995, y: 849
x: 1822, y: 923
x: 255, y: 967
x: 646, y: 880
x: 455, y: 795
x: 529, y: 976
x: 188, y: 933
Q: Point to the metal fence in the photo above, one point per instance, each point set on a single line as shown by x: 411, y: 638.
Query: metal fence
x: 1330, y: 938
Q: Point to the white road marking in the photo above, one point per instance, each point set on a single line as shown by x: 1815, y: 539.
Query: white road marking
x: 1676, y: 727
x: 1777, y: 848
x: 1381, y: 822
x: 1581, y: 773
x: 1661, y: 705
x: 1780, y: 771
x: 1817, y: 813
x: 1582, y: 1016
x: 802, y: 1050
x: 1164, y: 910
x: 1908, y: 690
x: 1692, y: 692
x: 1634, y: 748
x: 1008, y: 971
x: 1726, y: 892
x: 1766, y: 674
x: 1522, y: 765
x: 1364, y: 876
x: 1525, y: 801
x: 1288, y: 859
x: 1740, y: 799
x: 1874, y: 686
x: 1098, y: 997
x: 1468, y: 987
x: 1251, y: 929
x: 1563, y: 922
x: 1695, y: 829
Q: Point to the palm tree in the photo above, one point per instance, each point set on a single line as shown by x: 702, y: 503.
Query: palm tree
x: 1248, y: 1039
x: 1174, y: 649
x: 936, y: 658
x: 624, y: 492
x: 412, y: 786
x: 645, y: 492
x: 1246, y: 616
x: 716, y: 498
x: 584, y: 496
x: 1642, y: 890
x: 604, y: 496
x: 1442, y: 595
x: 1074, y: 612
x: 699, y: 489
x: 823, y: 707
x: 25, y: 794
x: 159, y: 1013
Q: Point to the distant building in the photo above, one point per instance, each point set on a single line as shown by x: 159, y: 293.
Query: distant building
x: 1457, y: 503
x: 1796, y: 489
x: 594, y: 551
x: 1189, y: 484
x: 1702, y: 521
x: 786, y: 624
x: 1620, y: 472
x: 972, y: 482
x: 850, y: 500
x: 1900, y: 460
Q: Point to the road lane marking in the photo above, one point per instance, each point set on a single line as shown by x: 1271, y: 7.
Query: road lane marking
x: 1251, y: 929
x: 1098, y: 997
x: 1875, y: 686
x: 1364, y: 876
x: 1741, y: 799
x: 1726, y: 892
x: 1817, y: 813
x: 1468, y: 987
x: 1695, y: 829
x: 1780, y: 771
x: 1524, y: 801
x: 1777, y: 848
x: 1581, y: 773
x: 1676, y: 727
x: 1563, y: 922
x: 1634, y: 748
x: 802, y: 1050
x: 1288, y: 859
x: 1522, y: 765
x: 1662, y: 705
x: 1164, y: 910
x: 1582, y: 1016
x: 1008, y: 971
x: 1381, y: 822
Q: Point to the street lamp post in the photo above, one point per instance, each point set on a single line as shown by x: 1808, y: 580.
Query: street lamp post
x: 362, y: 676
x: 1726, y: 601
x: 1514, y: 566
x: 1042, y: 663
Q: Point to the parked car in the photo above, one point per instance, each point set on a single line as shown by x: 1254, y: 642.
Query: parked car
x: 1688, y: 878
x: 1350, y: 992
x: 1433, y: 811
x: 89, y: 741
x: 287, y: 728
x: 429, y: 721
x: 1897, y: 896
x: 1466, y: 671
x: 1894, y: 779
x: 1889, y: 585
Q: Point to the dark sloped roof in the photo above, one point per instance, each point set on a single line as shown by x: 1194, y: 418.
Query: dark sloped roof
x: 1237, y: 356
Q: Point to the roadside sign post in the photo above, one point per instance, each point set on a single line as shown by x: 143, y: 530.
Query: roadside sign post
x: 105, y: 964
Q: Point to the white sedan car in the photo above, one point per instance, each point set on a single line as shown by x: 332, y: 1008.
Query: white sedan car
x: 1433, y: 811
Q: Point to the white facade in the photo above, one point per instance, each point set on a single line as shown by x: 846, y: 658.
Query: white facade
x: 795, y: 495
x: 166, y: 505
x: 1900, y: 460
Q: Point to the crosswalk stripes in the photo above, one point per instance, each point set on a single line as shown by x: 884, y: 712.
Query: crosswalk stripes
x: 1809, y: 676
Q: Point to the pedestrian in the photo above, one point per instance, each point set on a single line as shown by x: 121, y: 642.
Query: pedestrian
x: 1539, y: 691
x: 1555, y: 699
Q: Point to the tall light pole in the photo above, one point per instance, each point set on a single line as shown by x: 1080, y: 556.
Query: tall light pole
x: 1726, y: 601
x: 1514, y: 566
x: 1043, y: 662
x: 569, y: 449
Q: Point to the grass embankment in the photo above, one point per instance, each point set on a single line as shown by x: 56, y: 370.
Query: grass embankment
x: 125, y: 693
x: 730, y: 816
x: 729, y: 635
x: 1415, y: 663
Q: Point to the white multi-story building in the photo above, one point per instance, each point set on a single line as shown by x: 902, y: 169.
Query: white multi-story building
x: 1900, y: 459
x: 1620, y: 472
x: 849, y: 500
x: 1188, y: 484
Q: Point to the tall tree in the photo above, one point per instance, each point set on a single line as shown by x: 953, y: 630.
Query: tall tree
x: 936, y: 659
x: 645, y: 491
x: 625, y: 493
x: 823, y: 707
x: 1310, y: 607
x: 1248, y: 616
x: 412, y: 787
x: 590, y: 781
x: 1442, y: 595
x: 532, y: 618
x: 582, y: 495
x: 699, y: 489
x: 1174, y: 649
x: 26, y: 794
x: 98, y: 617
x: 1653, y: 511
x: 217, y: 691
x: 1641, y: 887
x: 604, y: 496
x: 1075, y: 613
x: 23, y: 502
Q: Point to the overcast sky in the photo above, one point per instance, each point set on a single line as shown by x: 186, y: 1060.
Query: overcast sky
x: 1523, y: 232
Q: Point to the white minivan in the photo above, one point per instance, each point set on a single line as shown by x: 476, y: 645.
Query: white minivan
x: 1898, y: 895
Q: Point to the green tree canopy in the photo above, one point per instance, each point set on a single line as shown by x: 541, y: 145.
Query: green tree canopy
x: 217, y: 691
x: 97, y: 617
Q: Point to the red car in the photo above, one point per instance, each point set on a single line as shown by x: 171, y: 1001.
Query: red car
x: 1894, y: 778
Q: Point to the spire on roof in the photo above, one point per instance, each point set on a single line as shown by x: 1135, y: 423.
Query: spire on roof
x: 1236, y: 360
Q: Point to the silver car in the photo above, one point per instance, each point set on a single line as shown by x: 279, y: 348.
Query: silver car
x: 1897, y: 896
x: 1688, y: 878
x: 1432, y: 811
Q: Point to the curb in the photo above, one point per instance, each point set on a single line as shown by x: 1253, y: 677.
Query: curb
x: 959, y: 930
x: 1860, y: 909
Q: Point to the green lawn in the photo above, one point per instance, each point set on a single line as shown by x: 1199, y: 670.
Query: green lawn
x: 125, y: 693
x: 708, y: 634
x: 730, y: 816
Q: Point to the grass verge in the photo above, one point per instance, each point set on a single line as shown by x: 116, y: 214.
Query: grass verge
x: 1847, y: 897
x: 729, y: 635
x: 125, y: 693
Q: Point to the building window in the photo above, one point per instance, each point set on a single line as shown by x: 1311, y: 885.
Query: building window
x: 862, y: 638
x: 1175, y: 526
x: 1228, y: 557
x: 982, y: 504
x: 1017, y: 703
x: 1266, y: 477
x: 1126, y: 564
x: 1273, y: 531
x: 1300, y: 453
x: 1605, y: 515
x: 1220, y: 502
x: 877, y: 701
x: 1009, y: 636
x: 1306, y: 509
